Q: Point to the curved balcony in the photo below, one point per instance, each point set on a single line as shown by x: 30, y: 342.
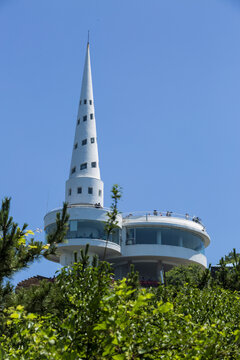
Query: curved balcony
x: 66, y: 251
x: 87, y: 230
x: 164, y: 236
x: 81, y: 211
x: 83, y: 232
x: 168, y: 220
x: 168, y: 254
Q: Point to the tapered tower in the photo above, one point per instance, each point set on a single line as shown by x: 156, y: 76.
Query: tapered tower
x: 84, y: 185
x: 84, y: 188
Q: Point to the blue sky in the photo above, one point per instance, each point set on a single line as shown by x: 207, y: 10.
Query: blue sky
x: 166, y: 77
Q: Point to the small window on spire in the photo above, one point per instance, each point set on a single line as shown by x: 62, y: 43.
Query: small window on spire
x: 75, y: 146
x: 90, y: 102
x: 91, y: 116
x: 94, y: 164
x: 69, y: 192
x: 83, y: 166
x: 99, y: 192
x: 78, y: 122
x: 85, y: 101
x: 85, y: 118
x: 90, y: 190
x: 79, y: 190
x: 92, y: 140
x: 84, y: 142
x: 73, y: 170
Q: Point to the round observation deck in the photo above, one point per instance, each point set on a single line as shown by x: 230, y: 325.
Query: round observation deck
x: 86, y: 226
x: 165, y: 237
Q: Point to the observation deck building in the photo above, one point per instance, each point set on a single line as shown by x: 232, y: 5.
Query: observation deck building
x: 151, y: 241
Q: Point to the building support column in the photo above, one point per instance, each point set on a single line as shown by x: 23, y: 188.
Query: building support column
x: 160, y: 274
x: 129, y: 265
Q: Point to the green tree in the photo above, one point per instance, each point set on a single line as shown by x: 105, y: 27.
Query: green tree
x: 112, y: 215
x: 228, y: 273
x: 102, y: 320
x: 18, y: 249
x: 182, y: 274
x: 37, y: 299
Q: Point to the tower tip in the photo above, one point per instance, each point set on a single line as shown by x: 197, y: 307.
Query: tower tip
x: 88, y: 37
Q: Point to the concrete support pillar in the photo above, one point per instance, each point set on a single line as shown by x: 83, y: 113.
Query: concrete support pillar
x: 180, y: 241
x: 159, y: 237
x: 129, y: 265
x: 160, y: 275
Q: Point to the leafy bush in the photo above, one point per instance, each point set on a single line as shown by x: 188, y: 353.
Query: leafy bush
x: 182, y: 274
x: 93, y: 317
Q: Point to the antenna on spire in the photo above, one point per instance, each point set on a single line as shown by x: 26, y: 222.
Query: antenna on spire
x: 88, y: 36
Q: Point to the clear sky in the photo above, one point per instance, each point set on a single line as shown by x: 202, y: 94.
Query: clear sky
x: 166, y: 78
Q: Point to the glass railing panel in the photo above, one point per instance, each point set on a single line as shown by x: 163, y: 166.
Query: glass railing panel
x: 86, y: 230
x: 164, y: 236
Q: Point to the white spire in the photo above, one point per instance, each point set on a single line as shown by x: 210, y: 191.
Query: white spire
x: 84, y: 174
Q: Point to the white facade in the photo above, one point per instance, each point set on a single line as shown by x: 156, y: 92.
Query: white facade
x: 151, y: 241
x: 84, y: 185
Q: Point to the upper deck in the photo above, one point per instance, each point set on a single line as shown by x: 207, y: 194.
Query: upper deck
x: 166, y: 219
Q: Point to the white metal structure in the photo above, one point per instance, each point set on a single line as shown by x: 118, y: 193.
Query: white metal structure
x: 84, y: 185
x: 151, y: 241
x: 84, y: 188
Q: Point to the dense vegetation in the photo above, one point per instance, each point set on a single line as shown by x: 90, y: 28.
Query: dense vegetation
x: 84, y: 314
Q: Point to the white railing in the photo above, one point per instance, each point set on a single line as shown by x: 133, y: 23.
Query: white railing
x: 96, y: 206
x: 157, y: 213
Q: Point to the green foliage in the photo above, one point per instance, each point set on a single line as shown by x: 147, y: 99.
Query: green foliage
x: 232, y: 258
x: 112, y: 223
x: 147, y: 327
x: 133, y: 278
x: 36, y: 299
x: 60, y: 232
x: 74, y: 313
x: 87, y: 316
x: 228, y: 274
x: 17, y: 250
x: 99, y: 320
x: 182, y: 274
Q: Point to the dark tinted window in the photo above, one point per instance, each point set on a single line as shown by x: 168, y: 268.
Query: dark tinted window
x: 83, y: 166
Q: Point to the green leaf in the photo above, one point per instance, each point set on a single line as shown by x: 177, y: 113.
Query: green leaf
x: 31, y: 316
x: 108, y: 349
x: 14, y: 315
x: 166, y: 307
x: 119, y: 357
x: 102, y: 326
